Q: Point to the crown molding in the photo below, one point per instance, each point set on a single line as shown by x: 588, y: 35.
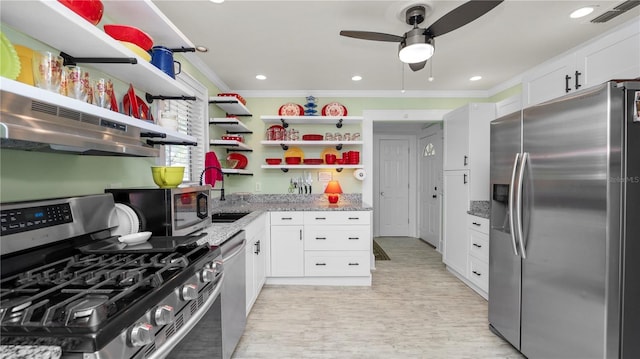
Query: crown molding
x: 377, y: 94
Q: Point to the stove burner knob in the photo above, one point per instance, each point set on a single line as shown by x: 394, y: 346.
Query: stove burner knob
x: 189, y: 292
x: 215, y: 265
x: 207, y: 275
x: 140, y: 334
x: 163, y: 315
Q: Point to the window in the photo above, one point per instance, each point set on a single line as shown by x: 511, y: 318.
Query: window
x: 192, y: 120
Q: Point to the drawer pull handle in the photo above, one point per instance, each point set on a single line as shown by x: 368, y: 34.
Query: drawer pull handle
x: 354, y: 264
x: 321, y: 264
x: 476, y: 224
x: 320, y: 218
x: 321, y: 238
x: 477, y: 245
x: 477, y: 273
x: 286, y: 218
x: 354, y: 238
x: 354, y: 218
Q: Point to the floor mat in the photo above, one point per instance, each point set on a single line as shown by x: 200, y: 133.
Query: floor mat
x: 379, y: 253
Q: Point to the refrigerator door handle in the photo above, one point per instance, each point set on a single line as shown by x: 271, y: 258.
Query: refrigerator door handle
x: 511, y: 199
x: 518, y: 204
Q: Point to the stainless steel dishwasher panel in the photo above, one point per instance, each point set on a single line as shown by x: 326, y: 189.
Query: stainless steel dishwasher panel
x: 234, y: 315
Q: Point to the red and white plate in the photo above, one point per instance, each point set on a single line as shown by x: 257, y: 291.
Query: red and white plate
x: 334, y: 109
x: 291, y: 109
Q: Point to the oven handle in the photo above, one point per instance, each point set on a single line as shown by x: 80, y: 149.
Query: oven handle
x: 240, y: 247
x: 166, y: 348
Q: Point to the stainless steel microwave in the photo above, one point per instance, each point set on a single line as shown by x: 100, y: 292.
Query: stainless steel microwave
x: 168, y: 211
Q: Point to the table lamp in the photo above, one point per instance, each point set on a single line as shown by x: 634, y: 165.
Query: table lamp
x: 333, y: 191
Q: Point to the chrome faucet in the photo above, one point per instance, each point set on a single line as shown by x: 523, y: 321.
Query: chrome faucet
x: 222, y: 173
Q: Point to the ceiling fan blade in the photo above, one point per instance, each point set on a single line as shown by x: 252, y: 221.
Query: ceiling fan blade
x: 368, y: 35
x: 461, y: 16
x: 418, y: 65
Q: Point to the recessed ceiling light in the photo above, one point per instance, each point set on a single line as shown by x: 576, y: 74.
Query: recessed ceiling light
x: 217, y: 1
x: 201, y: 49
x: 261, y: 77
x: 356, y: 78
x: 475, y: 78
x: 582, y: 12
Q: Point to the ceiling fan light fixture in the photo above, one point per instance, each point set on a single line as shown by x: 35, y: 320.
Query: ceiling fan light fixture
x: 415, y: 53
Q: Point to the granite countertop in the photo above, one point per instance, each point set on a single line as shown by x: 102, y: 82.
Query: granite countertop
x: 29, y: 352
x: 480, y: 209
x: 257, y: 205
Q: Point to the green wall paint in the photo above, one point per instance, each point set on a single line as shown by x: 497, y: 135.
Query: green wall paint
x: 35, y: 175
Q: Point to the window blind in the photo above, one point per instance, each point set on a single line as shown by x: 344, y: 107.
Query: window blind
x: 192, y: 120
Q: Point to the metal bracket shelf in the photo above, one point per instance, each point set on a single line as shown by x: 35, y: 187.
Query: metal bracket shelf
x: 150, y: 98
x: 69, y: 60
x: 175, y: 143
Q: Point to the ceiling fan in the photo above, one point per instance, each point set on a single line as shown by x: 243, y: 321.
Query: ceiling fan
x: 417, y: 45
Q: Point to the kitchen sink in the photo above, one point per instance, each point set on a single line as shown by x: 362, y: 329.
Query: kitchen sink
x: 227, y: 217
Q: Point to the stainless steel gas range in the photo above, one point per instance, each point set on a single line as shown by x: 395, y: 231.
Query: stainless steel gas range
x: 66, y: 282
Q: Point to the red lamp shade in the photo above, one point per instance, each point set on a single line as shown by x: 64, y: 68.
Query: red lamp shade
x: 333, y: 191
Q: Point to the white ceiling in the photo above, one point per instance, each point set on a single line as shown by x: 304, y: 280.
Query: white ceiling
x: 297, y: 46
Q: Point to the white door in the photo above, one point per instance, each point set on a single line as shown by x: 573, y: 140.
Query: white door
x: 430, y: 185
x: 393, y: 201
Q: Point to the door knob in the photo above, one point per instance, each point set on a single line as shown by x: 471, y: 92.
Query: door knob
x: 434, y: 196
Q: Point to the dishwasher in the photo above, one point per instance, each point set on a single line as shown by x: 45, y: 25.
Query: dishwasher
x: 233, y: 296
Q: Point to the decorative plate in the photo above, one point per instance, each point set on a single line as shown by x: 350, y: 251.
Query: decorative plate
x: 334, y: 109
x: 294, y: 152
x: 242, y: 160
x: 291, y: 109
x: 10, y: 64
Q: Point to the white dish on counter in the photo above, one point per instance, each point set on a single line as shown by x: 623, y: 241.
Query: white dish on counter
x: 135, y: 238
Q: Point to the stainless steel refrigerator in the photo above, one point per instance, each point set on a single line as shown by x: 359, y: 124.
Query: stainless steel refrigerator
x: 564, y: 263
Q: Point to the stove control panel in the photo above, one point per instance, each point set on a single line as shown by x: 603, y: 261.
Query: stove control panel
x: 18, y: 220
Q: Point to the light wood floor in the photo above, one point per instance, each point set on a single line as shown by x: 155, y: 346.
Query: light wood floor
x: 414, y: 309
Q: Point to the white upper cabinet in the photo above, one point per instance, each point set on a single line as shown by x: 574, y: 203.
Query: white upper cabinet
x: 615, y: 55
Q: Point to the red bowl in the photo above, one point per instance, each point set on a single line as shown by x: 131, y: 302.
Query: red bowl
x: 312, y: 137
x: 293, y: 160
x: 339, y: 161
x: 273, y: 161
x: 129, y: 34
x: 90, y: 10
x: 313, y: 161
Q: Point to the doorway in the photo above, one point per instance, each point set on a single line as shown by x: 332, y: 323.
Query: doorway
x: 395, y: 161
x: 430, y: 185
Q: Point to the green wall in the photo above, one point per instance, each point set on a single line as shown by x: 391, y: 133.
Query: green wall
x: 35, y: 175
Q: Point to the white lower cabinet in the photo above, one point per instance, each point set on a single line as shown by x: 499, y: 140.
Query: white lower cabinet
x: 287, y: 252
x: 257, y: 235
x: 321, y: 247
x: 336, y: 263
x: 478, y: 254
x: 455, y: 207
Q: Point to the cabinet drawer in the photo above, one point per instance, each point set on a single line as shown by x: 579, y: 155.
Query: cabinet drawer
x: 337, y: 217
x: 350, y: 238
x: 478, y: 223
x: 479, y: 245
x: 479, y: 273
x: 286, y: 218
x: 336, y: 264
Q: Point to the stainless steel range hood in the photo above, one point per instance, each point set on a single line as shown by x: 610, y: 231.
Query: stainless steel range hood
x: 34, y: 125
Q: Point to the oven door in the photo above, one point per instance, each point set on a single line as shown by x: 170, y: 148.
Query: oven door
x: 201, y: 336
x: 189, y: 211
